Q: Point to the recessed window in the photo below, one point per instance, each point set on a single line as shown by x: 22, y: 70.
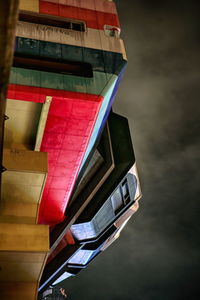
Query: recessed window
x: 81, y: 257
x: 125, y: 192
x: 51, y: 21
x: 52, y: 65
x: 117, y: 201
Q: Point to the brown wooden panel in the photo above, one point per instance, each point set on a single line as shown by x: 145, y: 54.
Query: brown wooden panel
x: 28, y: 161
x: 22, y: 185
x: 22, y: 125
x: 24, y: 237
x: 18, y: 290
x: 25, y: 265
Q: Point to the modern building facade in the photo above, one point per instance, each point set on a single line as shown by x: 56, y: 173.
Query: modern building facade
x: 68, y: 62
x: 68, y: 159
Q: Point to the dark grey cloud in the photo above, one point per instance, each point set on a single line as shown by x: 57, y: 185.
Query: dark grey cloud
x: 157, y: 256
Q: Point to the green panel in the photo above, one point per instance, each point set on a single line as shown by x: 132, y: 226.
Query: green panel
x: 70, y: 52
x: 25, y: 77
x: 51, y: 80
x: 53, y: 50
x: 101, y: 61
x: 97, y: 84
x: 94, y: 85
x: 75, y: 83
x: 28, y: 46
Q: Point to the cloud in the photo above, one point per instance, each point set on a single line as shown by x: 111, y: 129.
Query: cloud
x: 157, y: 255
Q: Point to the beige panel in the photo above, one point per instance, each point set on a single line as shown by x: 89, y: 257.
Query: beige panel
x: 23, y: 237
x: 92, y: 38
x: 31, y: 5
x: 18, y: 290
x: 18, y: 209
x: 134, y: 171
x: 123, y: 49
x: 110, y: 43
x: 22, y: 189
x: 23, y: 178
x: 26, y: 266
x: 42, y: 122
x: 23, y: 253
x: 121, y: 222
x: 32, y: 161
x: 21, y: 193
x: 19, y: 219
x: 21, y: 127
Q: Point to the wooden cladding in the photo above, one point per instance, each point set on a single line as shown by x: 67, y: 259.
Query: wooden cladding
x: 53, y: 65
x: 51, y: 21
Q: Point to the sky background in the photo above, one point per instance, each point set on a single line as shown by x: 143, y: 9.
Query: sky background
x: 157, y: 256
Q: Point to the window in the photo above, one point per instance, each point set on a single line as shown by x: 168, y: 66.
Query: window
x: 51, y: 21
x: 53, y: 65
x: 117, y: 201
x: 121, y: 197
x: 125, y: 192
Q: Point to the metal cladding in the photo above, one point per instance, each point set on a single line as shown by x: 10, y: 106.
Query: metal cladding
x: 70, y: 54
x: 119, y: 190
x: 107, y: 212
x: 99, y: 168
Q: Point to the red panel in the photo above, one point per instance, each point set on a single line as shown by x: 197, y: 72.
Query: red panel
x: 69, y: 146
x: 99, y: 5
x: 26, y: 93
x: 37, y: 94
x: 107, y: 19
x: 93, y: 19
x: 67, y: 133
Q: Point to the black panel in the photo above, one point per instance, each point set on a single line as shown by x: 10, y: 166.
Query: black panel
x: 52, y: 65
x: 100, y: 213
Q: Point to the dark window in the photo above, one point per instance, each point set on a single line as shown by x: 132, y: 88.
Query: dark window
x: 53, y: 65
x: 117, y: 201
x: 125, y: 192
x: 51, y: 21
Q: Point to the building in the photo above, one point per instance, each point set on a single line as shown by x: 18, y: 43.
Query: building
x: 60, y: 152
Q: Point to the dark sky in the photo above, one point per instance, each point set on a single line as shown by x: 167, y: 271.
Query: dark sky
x: 157, y: 256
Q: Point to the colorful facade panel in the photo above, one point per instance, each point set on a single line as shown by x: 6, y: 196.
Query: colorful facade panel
x: 93, y: 18
x: 95, y: 85
x: 68, y: 129
x: 79, y: 104
x: 103, y: 115
x: 65, y: 153
x: 99, y: 5
x: 100, y: 60
x: 91, y: 38
x: 32, y: 5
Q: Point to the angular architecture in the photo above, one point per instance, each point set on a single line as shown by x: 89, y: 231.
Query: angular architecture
x: 68, y: 62
x: 104, y: 216
x: 68, y: 160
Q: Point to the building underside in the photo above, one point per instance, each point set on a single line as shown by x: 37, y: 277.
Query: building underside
x: 69, y: 180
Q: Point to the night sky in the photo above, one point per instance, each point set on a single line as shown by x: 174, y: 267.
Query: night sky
x: 157, y: 256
